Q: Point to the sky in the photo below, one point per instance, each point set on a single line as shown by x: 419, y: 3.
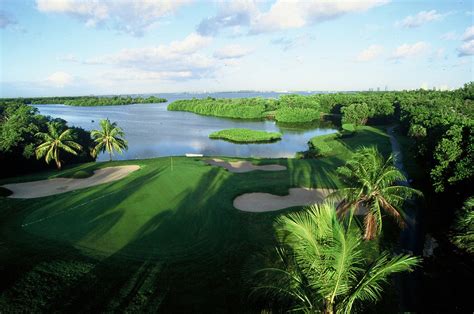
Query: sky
x: 93, y: 47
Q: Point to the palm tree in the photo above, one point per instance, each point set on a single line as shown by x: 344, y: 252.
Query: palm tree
x: 323, y: 265
x: 109, y: 138
x: 463, y: 236
x: 55, y: 141
x: 371, y: 186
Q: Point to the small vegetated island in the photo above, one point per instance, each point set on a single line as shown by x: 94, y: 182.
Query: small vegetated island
x: 87, y: 101
x: 246, y: 136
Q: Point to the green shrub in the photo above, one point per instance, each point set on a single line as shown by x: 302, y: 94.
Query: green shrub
x: 296, y: 115
x: 4, y: 192
x: 356, y: 114
x: 80, y: 174
x: 246, y: 136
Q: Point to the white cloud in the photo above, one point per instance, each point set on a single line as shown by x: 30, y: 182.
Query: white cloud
x: 59, y: 79
x: 232, y: 52
x: 408, y: 51
x: 132, y: 17
x: 371, y: 53
x: 420, y: 19
x: 282, y: 14
x: 295, y: 14
x: 466, y: 49
x: 178, y: 59
x: 231, y: 14
x: 468, y: 34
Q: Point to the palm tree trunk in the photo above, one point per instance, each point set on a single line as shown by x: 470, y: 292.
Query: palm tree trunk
x: 328, y: 307
x: 58, y: 164
x: 110, y: 156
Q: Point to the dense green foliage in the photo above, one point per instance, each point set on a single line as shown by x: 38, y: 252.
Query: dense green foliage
x: 56, y: 141
x: 355, y: 114
x: 241, y: 108
x: 19, y: 125
x: 86, y: 100
x: 296, y: 115
x: 108, y: 139
x: 246, y: 135
x: 464, y: 227
x: 290, y: 108
x: 324, y: 267
x: 442, y: 125
x: 371, y: 186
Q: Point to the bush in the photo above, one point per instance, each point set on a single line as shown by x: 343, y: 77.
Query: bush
x: 296, y: 115
x: 4, y: 192
x: 80, y: 174
x: 356, y: 114
x: 246, y: 136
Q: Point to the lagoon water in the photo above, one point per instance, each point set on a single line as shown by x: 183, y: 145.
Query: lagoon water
x: 153, y: 131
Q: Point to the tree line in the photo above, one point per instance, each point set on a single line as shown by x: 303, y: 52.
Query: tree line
x: 86, y: 100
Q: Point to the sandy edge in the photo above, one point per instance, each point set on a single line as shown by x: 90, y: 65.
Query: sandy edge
x: 265, y: 202
x: 55, y: 186
x: 242, y: 165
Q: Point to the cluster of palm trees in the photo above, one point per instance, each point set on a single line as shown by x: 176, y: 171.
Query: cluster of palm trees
x: 323, y: 265
x: 57, y: 140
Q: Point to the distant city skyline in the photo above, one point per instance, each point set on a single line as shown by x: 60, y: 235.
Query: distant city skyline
x: 69, y: 47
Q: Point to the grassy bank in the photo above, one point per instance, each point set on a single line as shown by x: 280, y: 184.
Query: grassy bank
x: 246, y: 136
x: 165, y: 238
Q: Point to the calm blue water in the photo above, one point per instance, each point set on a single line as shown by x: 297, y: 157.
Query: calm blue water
x: 153, y: 131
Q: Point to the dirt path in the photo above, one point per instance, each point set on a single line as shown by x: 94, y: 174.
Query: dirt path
x: 61, y: 185
x: 242, y: 166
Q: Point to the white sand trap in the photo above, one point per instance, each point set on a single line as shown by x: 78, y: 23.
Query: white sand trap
x: 265, y: 202
x: 61, y: 185
x: 243, y: 166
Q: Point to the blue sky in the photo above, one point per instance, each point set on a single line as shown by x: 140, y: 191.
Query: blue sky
x: 69, y: 47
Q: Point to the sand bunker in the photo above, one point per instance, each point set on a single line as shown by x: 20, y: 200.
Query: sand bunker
x: 61, y: 185
x: 243, y: 166
x: 264, y: 202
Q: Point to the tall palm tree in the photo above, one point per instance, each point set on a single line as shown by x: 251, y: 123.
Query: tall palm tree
x: 372, y: 187
x: 55, y: 141
x: 324, y: 268
x: 109, y: 138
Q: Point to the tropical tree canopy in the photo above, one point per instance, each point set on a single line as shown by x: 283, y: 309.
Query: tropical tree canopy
x: 55, y: 141
x: 323, y: 266
x: 109, y: 138
x: 372, y: 187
